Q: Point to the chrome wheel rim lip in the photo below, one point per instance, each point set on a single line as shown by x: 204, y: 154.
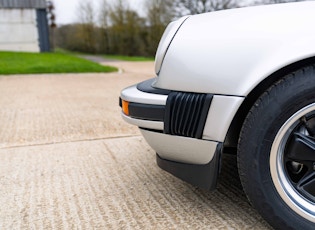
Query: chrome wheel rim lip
x: 288, y: 193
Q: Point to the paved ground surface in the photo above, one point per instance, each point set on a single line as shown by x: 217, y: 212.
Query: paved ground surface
x: 68, y: 161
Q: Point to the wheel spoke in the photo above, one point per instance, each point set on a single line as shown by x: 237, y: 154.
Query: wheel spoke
x: 301, y: 148
x: 309, y: 124
x: 307, y: 186
x: 300, y: 158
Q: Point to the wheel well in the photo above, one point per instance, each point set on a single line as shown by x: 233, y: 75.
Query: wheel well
x: 231, y: 140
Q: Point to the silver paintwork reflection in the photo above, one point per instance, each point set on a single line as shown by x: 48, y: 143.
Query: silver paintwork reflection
x: 220, y: 116
x: 166, y: 40
x: 157, y: 125
x: 181, y: 149
x: 229, y: 52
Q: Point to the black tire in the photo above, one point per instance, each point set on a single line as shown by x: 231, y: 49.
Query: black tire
x: 272, y: 162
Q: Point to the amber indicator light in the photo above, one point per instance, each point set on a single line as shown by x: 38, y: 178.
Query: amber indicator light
x: 125, y: 107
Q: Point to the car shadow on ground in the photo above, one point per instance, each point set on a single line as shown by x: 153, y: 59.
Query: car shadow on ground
x: 224, y: 208
x: 230, y: 198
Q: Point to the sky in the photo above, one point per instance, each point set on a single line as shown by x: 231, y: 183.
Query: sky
x: 65, y: 10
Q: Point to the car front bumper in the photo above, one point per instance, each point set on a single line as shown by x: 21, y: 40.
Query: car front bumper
x: 176, y: 126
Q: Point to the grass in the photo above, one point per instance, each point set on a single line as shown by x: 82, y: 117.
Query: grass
x: 129, y: 58
x: 108, y: 56
x: 30, y: 63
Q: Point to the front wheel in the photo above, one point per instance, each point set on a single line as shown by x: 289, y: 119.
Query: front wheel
x: 276, y: 152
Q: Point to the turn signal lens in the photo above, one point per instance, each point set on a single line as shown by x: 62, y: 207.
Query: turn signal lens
x: 125, y: 107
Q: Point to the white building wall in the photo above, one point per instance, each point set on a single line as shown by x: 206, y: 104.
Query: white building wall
x: 18, y: 30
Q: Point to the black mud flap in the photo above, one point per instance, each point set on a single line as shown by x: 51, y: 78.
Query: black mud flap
x: 203, y: 176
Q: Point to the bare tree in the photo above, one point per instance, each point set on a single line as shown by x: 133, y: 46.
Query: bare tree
x: 104, y: 22
x: 265, y: 2
x: 125, y: 29
x: 85, y: 13
x: 159, y: 14
x: 104, y: 12
x: 203, y: 6
x: 160, y: 11
x: 281, y: 1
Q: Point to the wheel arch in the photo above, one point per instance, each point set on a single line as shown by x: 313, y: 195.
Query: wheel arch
x: 231, y: 139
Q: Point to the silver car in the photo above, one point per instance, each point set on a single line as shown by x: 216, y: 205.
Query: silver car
x: 240, y: 81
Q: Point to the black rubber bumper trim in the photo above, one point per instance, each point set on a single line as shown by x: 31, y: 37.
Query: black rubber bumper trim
x: 147, y: 87
x: 186, y: 113
x: 203, y: 176
x: 146, y: 111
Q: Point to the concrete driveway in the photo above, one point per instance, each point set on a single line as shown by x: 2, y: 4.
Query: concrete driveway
x: 68, y: 161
